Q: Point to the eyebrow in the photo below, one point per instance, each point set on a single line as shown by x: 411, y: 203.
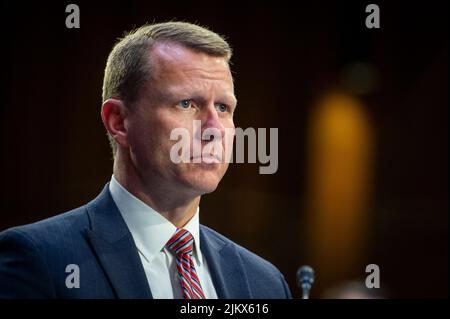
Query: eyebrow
x: 177, y: 93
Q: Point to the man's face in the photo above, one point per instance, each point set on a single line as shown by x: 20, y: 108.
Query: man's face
x: 184, y: 86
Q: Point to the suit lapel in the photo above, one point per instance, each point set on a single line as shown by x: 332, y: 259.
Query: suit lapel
x: 115, y: 248
x: 225, y: 267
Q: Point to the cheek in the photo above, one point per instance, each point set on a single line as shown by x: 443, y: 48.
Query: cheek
x: 230, y: 131
x: 146, y: 135
x: 164, y: 126
x: 228, y: 124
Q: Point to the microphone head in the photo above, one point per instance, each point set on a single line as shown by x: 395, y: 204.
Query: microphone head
x: 305, y: 276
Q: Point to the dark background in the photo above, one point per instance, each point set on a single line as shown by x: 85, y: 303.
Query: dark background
x: 55, y: 155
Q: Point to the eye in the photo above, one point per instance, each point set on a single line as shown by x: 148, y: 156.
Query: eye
x: 222, y: 107
x: 185, y: 104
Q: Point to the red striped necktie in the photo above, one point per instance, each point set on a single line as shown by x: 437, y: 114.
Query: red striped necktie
x: 181, y: 244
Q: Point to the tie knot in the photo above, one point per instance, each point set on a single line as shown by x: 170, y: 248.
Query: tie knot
x: 181, y: 242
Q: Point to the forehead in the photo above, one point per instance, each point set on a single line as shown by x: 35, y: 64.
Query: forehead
x: 177, y: 65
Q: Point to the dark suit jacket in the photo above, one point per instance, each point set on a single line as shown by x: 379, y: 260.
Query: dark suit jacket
x: 33, y: 259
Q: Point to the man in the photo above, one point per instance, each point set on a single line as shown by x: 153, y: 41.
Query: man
x: 141, y: 237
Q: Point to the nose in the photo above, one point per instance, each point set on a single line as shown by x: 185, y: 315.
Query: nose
x: 211, y: 120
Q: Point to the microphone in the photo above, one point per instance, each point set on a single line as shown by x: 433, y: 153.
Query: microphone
x: 305, y: 279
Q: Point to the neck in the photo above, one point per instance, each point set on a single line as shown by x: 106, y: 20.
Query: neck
x: 176, y: 206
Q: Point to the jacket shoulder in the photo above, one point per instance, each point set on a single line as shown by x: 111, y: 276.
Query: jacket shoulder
x: 256, y: 267
x: 54, y: 230
x: 244, y: 253
x: 32, y: 254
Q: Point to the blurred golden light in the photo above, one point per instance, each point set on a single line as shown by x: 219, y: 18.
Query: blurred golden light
x: 339, y: 186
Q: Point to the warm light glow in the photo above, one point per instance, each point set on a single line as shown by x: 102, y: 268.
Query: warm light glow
x: 339, y: 186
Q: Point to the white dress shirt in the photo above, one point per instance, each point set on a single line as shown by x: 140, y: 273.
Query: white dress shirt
x: 151, y: 231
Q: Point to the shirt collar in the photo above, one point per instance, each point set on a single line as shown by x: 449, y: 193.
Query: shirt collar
x: 150, y: 230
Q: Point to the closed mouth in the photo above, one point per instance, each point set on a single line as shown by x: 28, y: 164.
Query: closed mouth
x: 208, y: 159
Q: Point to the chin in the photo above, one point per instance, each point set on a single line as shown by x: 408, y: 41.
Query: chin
x: 204, y: 183
x: 202, y: 178
x: 207, y: 190
x: 206, y: 187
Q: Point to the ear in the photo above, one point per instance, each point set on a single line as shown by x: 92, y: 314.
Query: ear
x: 114, y: 113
